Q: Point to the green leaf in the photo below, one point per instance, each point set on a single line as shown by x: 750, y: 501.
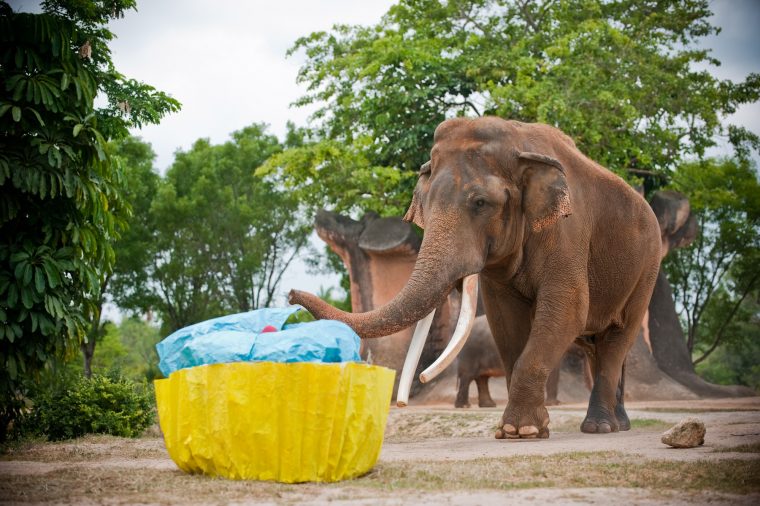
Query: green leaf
x: 39, y: 280
x: 37, y: 115
x: 28, y: 271
x: 10, y: 364
x: 51, y: 271
x: 4, y: 108
x: 19, y: 256
x: 16, y: 113
x: 77, y: 129
x: 26, y: 297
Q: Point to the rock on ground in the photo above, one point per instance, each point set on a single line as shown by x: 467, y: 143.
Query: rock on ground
x: 688, y: 433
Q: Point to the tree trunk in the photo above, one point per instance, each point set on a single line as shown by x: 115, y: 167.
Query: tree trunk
x: 88, y: 351
x: 669, y: 346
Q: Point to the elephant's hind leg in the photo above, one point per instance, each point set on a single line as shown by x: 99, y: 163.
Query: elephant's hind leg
x: 606, y: 412
x: 611, y: 348
x: 622, y: 417
x: 463, y: 393
x: 484, y: 395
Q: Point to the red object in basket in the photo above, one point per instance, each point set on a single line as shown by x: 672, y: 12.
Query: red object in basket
x: 268, y: 328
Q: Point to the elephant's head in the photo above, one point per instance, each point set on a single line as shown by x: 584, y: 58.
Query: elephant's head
x: 479, y: 196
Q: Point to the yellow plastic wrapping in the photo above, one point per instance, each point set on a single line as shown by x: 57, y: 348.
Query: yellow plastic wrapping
x: 290, y: 422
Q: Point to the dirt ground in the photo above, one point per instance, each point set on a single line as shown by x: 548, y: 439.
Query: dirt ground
x: 434, y: 455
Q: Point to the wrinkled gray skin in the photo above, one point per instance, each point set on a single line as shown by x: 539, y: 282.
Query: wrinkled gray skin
x: 564, y: 248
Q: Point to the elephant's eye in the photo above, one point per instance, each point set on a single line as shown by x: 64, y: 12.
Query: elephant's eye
x: 480, y: 203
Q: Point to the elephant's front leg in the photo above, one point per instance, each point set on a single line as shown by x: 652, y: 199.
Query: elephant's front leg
x: 509, y: 319
x: 558, y: 320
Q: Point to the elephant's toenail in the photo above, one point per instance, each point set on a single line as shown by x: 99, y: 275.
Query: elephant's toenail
x: 604, y: 428
x: 509, y: 429
x: 528, y: 431
x: 500, y: 434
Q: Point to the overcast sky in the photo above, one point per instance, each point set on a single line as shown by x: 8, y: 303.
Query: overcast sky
x: 225, y: 62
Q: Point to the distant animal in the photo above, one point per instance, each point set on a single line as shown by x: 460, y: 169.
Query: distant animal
x: 478, y: 361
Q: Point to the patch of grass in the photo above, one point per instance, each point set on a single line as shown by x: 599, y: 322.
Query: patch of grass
x: 93, y: 474
x: 570, y: 470
x: 78, y: 484
x: 649, y: 423
x: 747, y: 448
x: 87, y: 448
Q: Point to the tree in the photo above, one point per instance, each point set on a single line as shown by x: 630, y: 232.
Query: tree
x: 129, y: 350
x: 128, y: 276
x: 716, y: 278
x: 220, y: 237
x: 60, y: 204
x: 617, y: 76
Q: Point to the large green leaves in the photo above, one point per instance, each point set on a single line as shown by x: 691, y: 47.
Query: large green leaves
x: 61, y: 205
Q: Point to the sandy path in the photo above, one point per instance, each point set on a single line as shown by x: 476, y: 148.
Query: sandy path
x: 724, y: 430
x: 102, y: 469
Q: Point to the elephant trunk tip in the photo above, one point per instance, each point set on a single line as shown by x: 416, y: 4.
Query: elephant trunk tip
x: 320, y: 309
x: 295, y: 296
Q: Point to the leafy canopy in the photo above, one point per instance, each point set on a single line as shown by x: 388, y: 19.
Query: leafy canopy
x: 61, y: 204
x: 213, y: 238
x: 716, y: 280
x: 617, y: 76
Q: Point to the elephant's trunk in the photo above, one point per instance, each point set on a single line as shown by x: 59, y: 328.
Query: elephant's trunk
x: 434, y: 276
x: 420, y: 295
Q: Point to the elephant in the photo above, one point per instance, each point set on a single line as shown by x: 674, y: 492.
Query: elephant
x: 379, y: 255
x: 564, y: 249
x: 478, y: 361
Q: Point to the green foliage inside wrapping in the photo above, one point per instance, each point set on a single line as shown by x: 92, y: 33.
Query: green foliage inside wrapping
x: 299, y: 317
x: 72, y: 406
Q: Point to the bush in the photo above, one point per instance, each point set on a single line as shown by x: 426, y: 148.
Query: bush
x: 101, y: 404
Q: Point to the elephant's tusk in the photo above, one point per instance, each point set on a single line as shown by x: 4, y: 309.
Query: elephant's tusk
x: 413, y: 358
x: 462, y: 331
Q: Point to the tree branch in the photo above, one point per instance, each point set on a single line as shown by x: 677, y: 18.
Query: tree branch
x: 731, y: 314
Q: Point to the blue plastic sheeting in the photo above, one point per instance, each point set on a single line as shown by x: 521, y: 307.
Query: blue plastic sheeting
x: 238, y: 338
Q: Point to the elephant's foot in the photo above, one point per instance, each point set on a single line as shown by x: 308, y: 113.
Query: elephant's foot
x: 552, y: 402
x: 488, y: 403
x: 622, y: 418
x: 458, y: 404
x: 599, y: 421
x: 524, y: 423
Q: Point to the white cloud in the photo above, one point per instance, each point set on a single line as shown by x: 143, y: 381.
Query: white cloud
x: 224, y: 61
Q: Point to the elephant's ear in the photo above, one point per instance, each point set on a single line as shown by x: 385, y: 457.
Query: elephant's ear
x: 414, y: 213
x: 546, y: 197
